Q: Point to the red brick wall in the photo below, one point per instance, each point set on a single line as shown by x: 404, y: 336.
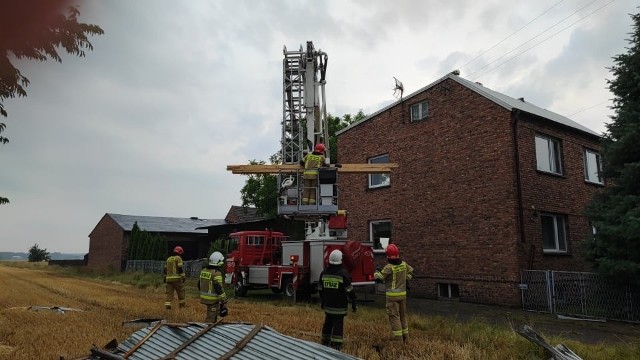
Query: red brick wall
x: 453, y: 201
x: 107, y: 245
x: 567, y: 194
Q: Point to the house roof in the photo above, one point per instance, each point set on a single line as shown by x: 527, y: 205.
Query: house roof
x: 165, y: 224
x: 217, y: 341
x: 505, y: 101
x: 238, y: 214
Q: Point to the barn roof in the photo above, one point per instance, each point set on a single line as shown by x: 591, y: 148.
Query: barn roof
x: 216, y: 341
x: 503, y: 100
x: 165, y: 224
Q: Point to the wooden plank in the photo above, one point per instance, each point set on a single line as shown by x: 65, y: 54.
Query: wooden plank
x: 342, y: 169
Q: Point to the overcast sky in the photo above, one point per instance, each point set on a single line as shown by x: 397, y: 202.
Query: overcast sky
x: 175, y: 91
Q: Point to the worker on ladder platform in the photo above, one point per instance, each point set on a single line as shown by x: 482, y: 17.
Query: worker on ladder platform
x: 311, y: 164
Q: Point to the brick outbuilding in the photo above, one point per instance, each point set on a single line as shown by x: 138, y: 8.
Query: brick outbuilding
x: 487, y: 186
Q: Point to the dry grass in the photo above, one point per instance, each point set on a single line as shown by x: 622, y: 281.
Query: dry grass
x: 42, y: 335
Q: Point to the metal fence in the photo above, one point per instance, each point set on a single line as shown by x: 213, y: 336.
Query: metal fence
x: 579, y: 294
x: 191, y: 268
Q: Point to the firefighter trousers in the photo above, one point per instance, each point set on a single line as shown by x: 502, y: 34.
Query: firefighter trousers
x: 178, y: 287
x: 212, y: 313
x: 397, y: 312
x: 332, y: 330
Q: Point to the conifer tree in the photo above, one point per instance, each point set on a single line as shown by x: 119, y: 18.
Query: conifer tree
x: 615, y: 211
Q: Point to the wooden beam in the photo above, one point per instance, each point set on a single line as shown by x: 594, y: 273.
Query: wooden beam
x: 344, y: 169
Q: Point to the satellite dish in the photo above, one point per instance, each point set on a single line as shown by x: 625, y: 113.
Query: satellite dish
x: 399, y: 88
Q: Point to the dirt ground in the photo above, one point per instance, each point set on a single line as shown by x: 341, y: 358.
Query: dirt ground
x: 548, y: 325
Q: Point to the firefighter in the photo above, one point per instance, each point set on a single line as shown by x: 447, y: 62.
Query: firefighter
x: 395, y: 276
x: 335, y: 291
x: 211, y: 288
x: 174, y: 277
x: 311, y: 164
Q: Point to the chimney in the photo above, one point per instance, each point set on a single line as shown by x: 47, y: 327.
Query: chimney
x: 521, y: 99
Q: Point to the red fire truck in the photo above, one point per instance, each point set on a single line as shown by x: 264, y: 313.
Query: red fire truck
x: 265, y: 259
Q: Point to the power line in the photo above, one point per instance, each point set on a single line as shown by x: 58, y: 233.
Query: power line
x: 513, y: 33
x: 561, y: 30
x: 589, y: 108
x: 533, y: 38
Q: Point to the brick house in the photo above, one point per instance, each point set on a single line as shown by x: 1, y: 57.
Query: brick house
x: 109, y: 240
x: 487, y: 186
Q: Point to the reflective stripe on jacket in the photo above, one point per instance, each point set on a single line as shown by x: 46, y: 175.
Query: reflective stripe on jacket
x: 335, y: 290
x: 210, y: 285
x: 311, y: 164
x: 395, y: 277
x: 173, y: 269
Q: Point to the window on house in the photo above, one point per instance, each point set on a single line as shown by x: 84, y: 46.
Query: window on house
x: 592, y: 167
x: 380, y: 233
x: 548, y: 154
x: 448, y: 291
x: 379, y: 180
x: 419, y: 111
x: 554, y: 233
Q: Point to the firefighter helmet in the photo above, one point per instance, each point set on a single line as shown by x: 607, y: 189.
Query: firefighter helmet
x: 178, y: 250
x: 216, y: 259
x: 320, y: 147
x: 392, y: 251
x: 335, y: 258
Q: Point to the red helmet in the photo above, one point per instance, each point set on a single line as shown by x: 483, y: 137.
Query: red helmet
x: 320, y: 147
x: 178, y: 250
x: 392, y: 252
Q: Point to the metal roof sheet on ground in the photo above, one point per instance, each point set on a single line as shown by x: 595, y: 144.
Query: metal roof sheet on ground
x: 206, y: 341
x: 499, y: 98
x: 165, y: 224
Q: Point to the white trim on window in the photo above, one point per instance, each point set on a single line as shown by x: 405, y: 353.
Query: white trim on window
x: 592, y: 167
x: 548, y: 154
x: 375, y: 235
x: 379, y: 180
x: 419, y: 111
x: 554, y: 233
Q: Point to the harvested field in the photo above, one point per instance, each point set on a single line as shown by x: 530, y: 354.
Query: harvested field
x: 47, y: 335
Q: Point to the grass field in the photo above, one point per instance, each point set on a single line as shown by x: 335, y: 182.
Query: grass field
x: 109, y: 300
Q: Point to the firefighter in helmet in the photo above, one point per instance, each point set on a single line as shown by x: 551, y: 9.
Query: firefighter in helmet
x: 335, y: 291
x: 211, y: 288
x: 311, y: 164
x: 174, y: 277
x: 395, y: 276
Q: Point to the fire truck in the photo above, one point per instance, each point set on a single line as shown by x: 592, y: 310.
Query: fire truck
x: 266, y: 259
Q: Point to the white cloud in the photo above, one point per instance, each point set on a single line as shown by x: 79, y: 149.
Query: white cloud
x: 174, y: 91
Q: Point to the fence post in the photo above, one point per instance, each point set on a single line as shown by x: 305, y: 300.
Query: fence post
x: 550, y: 291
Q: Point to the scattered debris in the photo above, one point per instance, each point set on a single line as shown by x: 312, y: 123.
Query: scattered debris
x: 55, y: 309
x: 140, y: 323
x: 559, y: 352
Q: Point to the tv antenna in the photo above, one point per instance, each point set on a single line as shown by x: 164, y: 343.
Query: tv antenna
x: 399, y: 88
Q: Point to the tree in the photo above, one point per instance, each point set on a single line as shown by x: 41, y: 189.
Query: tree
x: 36, y: 254
x: 146, y: 246
x: 615, y: 211
x: 35, y: 30
x: 261, y: 190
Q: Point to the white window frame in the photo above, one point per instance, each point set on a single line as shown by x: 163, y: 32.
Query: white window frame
x: 548, y: 154
x: 371, y: 237
x: 447, y: 291
x: 559, y: 233
x: 422, y: 111
x: 379, y: 180
x: 593, y: 167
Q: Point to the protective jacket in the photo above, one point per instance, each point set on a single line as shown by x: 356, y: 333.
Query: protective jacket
x: 173, y: 270
x: 311, y: 164
x: 210, y: 286
x: 395, y: 276
x: 336, y: 290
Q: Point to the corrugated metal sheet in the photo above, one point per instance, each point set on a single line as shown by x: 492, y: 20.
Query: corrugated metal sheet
x: 165, y: 224
x: 503, y: 100
x: 205, y: 341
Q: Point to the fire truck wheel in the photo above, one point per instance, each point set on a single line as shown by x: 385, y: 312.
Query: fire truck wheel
x: 287, y: 285
x: 240, y: 290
